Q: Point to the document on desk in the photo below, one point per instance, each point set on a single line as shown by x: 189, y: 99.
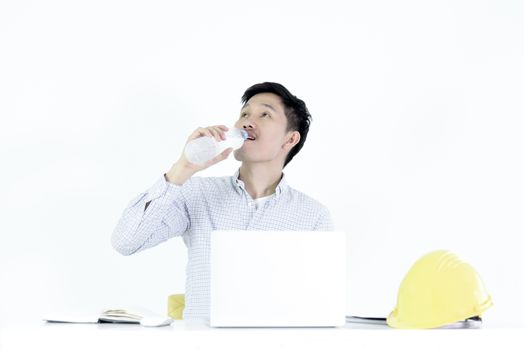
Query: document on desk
x: 124, y: 316
x: 368, y: 320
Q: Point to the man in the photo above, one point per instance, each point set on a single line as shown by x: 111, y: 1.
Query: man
x: 256, y: 197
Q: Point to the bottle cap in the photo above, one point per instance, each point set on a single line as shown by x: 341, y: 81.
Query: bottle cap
x: 236, y: 132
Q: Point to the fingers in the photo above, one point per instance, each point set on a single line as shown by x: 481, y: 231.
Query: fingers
x: 221, y: 129
x: 199, y: 132
x: 224, y: 154
x: 217, y: 132
x: 221, y: 156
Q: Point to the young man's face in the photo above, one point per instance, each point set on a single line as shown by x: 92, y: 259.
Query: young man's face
x: 264, y: 119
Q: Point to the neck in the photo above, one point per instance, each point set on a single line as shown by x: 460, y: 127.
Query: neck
x: 260, y: 180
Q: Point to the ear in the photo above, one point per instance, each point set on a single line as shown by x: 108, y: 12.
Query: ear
x: 293, y: 138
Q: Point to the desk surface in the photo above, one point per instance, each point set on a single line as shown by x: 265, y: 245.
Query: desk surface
x: 197, y: 335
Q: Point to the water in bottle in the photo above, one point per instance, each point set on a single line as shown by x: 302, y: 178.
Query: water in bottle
x: 204, y: 148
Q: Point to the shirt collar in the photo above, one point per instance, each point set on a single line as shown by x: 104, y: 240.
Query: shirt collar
x: 239, y: 184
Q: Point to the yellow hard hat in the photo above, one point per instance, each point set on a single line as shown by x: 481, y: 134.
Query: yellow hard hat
x: 175, y: 306
x: 438, y: 290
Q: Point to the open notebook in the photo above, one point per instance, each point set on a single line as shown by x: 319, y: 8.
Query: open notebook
x: 123, y: 315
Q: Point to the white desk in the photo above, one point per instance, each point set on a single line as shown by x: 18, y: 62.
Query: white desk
x: 195, y: 335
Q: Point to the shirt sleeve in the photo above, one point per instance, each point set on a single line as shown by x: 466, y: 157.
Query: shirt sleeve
x: 165, y: 217
x: 325, y: 221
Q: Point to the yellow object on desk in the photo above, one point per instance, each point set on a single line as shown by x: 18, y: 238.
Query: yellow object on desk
x: 175, y: 306
x: 439, y: 289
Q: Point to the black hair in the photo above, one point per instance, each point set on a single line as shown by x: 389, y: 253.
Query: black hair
x: 297, y: 114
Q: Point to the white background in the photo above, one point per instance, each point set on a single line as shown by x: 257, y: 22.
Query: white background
x: 416, y: 142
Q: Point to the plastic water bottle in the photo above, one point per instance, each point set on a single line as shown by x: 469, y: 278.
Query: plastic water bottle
x: 204, y: 148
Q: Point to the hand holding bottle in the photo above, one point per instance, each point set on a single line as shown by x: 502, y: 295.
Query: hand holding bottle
x: 205, y: 147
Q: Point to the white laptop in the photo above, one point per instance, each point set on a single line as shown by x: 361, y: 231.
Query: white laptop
x: 278, y: 279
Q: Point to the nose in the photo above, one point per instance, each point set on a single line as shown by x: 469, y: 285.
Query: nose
x: 247, y: 124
